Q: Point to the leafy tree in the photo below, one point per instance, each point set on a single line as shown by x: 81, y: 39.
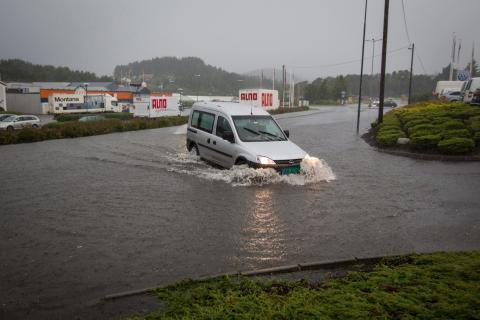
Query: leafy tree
x: 19, y: 70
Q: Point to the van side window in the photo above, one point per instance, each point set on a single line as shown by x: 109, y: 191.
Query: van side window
x: 206, y: 121
x: 222, y: 126
x: 195, y: 119
x: 203, y: 121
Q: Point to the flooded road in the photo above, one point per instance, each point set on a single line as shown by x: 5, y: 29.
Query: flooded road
x: 86, y: 217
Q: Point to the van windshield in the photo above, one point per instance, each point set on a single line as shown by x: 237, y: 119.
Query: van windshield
x: 258, y: 128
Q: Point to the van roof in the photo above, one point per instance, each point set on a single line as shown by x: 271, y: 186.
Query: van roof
x: 230, y: 108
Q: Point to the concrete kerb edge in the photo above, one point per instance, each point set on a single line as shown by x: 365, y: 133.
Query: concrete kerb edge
x: 259, y: 272
x: 426, y: 156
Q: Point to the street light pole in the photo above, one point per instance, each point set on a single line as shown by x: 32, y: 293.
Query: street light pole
x: 86, y: 93
x: 361, y: 67
x: 384, y: 62
x: 373, y: 50
x: 411, y: 75
x: 198, y: 76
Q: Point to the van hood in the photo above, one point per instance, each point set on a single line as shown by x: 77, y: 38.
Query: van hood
x: 276, y: 150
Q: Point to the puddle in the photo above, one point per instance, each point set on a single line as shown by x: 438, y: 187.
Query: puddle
x: 312, y: 170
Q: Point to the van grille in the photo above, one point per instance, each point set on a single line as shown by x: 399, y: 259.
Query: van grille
x: 289, y: 162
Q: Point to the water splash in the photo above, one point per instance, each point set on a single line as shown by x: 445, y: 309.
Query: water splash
x: 312, y: 170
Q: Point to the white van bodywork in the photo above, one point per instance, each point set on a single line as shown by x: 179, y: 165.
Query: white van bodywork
x: 228, y: 134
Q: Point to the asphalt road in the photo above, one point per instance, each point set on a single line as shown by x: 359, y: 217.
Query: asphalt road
x: 85, y: 217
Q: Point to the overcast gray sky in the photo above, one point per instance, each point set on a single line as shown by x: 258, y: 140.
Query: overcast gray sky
x: 240, y: 36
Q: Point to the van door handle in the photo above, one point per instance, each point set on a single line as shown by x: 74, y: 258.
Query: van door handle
x: 214, y: 142
x: 208, y: 140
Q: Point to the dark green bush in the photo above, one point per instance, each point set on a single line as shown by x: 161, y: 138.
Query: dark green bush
x: 107, y: 115
x: 452, y: 125
x: 388, y: 139
x: 8, y: 138
x: 416, y: 122
x: 457, y: 133
x: 425, y: 142
x: 474, y: 125
x: 30, y: 135
x: 456, y: 146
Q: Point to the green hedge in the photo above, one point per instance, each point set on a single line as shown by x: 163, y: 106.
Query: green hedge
x: 75, y: 117
x: 456, y: 146
x: 427, y: 142
x: 288, y: 110
x: 73, y: 129
x: 458, y: 133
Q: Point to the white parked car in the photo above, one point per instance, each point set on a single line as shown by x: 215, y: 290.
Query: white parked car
x: 19, y: 122
x: 470, y: 88
x: 228, y: 133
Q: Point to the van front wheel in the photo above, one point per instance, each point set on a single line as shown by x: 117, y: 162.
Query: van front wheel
x: 194, y: 150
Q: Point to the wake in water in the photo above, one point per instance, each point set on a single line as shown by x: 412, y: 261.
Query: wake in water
x: 312, y: 170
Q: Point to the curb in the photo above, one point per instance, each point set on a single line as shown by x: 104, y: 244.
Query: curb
x: 426, y: 156
x: 258, y: 272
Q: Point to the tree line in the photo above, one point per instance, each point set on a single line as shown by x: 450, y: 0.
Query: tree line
x: 24, y: 71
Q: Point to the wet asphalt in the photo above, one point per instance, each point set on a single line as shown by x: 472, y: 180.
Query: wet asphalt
x: 86, y: 217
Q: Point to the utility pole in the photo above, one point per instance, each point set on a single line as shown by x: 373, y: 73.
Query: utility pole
x: 361, y: 67
x: 273, y: 80
x: 452, y: 62
x: 373, y: 50
x: 471, y: 61
x: 283, y: 84
x: 384, y: 61
x: 411, y: 75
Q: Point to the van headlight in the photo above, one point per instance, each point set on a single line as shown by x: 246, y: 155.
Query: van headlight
x: 265, y: 160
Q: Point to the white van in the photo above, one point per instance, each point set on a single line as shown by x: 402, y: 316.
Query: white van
x: 472, y: 85
x: 228, y: 133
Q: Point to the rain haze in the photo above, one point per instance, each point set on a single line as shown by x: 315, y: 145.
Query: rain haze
x: 237, y: 36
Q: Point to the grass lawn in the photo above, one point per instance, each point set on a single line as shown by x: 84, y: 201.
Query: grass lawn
x: 433, y: 127
x: 426, y: 286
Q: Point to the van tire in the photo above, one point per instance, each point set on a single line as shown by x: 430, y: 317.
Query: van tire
x: 194, y: 148
x: 240, y: 161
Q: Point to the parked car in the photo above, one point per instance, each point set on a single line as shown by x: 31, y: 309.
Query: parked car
x: 451, y: 96
x: 5, y: 116
x: 91, y: 118
x: 476, y: 97
x: 386, y: 103
x: 472, y: 85
x: 19, y: 122
x: 228, y: 133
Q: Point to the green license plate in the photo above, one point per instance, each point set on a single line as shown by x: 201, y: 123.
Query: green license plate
x: 290, y: 170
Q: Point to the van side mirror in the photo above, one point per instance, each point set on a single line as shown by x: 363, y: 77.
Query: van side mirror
x: 287, y: 133
x: 228, y: 135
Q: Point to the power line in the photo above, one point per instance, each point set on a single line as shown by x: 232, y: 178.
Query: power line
x: 405, y: 22
x: 421, y: 63
x: 346, y: 62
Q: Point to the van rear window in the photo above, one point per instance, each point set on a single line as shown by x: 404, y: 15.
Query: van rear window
x: 203, y: 121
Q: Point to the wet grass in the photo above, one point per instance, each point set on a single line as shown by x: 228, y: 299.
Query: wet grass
x: 427, y: 286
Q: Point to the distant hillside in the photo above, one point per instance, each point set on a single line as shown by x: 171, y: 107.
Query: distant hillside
x: 23, y: 71
x: 171, y: 73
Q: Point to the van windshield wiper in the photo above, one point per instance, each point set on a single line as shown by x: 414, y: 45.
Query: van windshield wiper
x: 272, y: 135
x: 258, y: 133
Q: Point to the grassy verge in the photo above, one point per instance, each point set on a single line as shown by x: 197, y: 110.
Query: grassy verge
x: 434, y: 127
x: 74, y: 129
x: 287, y: 110
x: 427, y: 286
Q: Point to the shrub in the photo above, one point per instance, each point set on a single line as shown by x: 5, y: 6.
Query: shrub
x: 457, y: 133
x: 30, y: 135
x: 452, y: 125
x: 388, y: 139
x: 8, y: 138
x: 476, y: 137
x: 416, y: 122
x: 474, y: 125
x: 456, y: 146
x: 425, y: 142
x: 423, y: 130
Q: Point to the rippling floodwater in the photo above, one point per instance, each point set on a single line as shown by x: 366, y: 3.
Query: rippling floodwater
x: 86, y: 217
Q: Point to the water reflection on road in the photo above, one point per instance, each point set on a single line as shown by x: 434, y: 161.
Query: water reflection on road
x: 264, y: 231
